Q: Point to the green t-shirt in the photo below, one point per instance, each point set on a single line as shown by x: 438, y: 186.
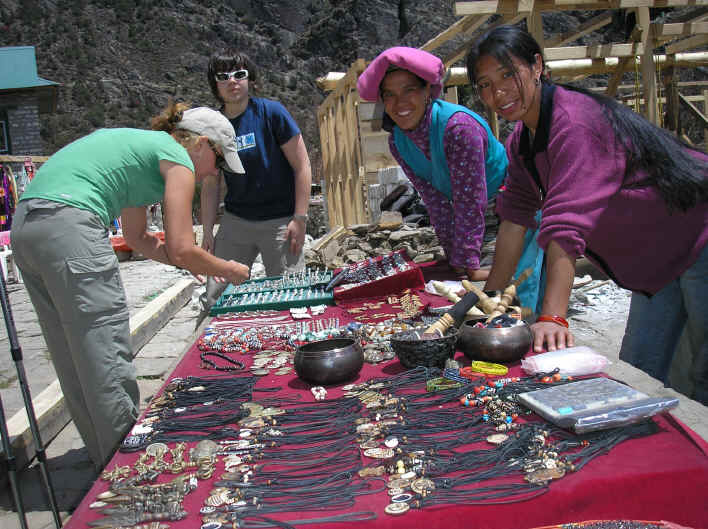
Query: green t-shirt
x: 108, y: 170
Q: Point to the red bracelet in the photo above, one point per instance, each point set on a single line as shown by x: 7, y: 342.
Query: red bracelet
x: 554, y: 319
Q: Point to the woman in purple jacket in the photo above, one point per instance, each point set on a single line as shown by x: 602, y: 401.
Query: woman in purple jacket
x: 613, y: 187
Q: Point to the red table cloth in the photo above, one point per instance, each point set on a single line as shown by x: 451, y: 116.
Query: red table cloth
x: 659, y: 477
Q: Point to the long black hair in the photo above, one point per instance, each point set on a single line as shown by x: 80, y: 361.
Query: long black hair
x: 680, y: 177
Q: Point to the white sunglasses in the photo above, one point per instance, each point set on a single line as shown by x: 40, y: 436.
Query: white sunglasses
x: 238, y: 75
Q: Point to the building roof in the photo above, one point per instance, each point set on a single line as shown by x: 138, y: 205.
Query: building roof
x: 19, y: 67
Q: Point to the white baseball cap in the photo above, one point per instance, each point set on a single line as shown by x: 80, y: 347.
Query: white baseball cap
x: 214, y: 125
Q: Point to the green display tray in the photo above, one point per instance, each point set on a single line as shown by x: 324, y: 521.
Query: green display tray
x: 260, y: 285
x: 229, y: 302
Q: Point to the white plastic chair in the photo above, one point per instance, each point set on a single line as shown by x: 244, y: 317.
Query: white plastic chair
x: 6, y: 261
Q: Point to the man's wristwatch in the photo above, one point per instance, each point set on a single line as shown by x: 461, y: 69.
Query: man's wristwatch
x: 303, y: 218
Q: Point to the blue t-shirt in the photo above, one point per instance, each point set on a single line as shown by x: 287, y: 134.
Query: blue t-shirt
x: 267, y: 189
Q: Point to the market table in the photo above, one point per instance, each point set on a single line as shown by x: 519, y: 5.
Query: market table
x: 663, y: 476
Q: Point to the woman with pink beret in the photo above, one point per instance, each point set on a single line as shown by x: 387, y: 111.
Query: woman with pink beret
x: 449, y: 154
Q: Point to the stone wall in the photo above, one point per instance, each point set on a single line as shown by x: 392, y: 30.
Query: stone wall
x: 22, y: 111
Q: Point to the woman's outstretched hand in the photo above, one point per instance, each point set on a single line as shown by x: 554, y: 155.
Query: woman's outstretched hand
x: 553, y: 335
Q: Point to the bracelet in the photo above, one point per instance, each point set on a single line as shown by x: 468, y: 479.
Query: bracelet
x: 441, y: 384
x: 469, y: 373
x: 553, y: 319
x: 488, y: 368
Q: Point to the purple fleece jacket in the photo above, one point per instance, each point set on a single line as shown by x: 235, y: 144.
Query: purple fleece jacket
x: 586, y: 208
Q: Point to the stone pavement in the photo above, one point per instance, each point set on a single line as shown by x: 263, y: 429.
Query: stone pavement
x: 69, y: 466
x: 598, y: 318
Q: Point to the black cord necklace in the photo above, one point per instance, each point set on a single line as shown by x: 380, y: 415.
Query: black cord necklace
x: 210, y: 364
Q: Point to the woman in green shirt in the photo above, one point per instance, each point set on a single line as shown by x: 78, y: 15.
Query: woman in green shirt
x: 60, y: 243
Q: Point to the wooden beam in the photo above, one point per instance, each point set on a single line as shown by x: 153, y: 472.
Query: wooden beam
x: 476, y: 8
x: 534, y: 25
x: 329, y: 81
x: 463, y: 26
x: 647, y: 67
x: 705, y: 108
x: 671, y: 108
x: 572, y: 67
x: 460, y: 52
x: 687, y: 44
x: 674, y: 31
x: 510, y: 7
x: 696, y: 113
x: 525, y: 6
x: 614, y: 80
x: 14, y: 158
x: 632, y: 97
x: 583, y: 29
x: 597, y: 51
x: 590, y: 66
x: 683, y: 84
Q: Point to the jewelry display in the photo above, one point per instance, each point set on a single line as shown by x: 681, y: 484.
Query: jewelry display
x: 319, y: 392
x: 292, y: 290
x: 145, y: 502
x: 424, y: 437
x: 373, y: 269
x: 306, y: 277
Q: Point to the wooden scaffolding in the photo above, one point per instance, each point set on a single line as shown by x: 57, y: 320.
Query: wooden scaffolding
x: 354, y: 147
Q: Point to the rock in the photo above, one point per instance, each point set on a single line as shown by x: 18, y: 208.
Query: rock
x: 402, y: 235
x: 337, y: 262
x: 423, y: 258
x: 390, y: 220
x: 360, y: 229
x: 354, y: 256
x: 365, y: 247
x: 330, y: 251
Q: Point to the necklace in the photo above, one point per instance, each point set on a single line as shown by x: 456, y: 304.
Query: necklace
x: 210, y: 364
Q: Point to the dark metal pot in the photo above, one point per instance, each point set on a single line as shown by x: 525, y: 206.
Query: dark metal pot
x: 412, y: 351
x: 504, y: 344
x: 329, y: 361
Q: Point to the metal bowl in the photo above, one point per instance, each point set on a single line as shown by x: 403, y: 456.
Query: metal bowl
x: 412, y: 351
x: 329, y: 361
x: 502, y: 344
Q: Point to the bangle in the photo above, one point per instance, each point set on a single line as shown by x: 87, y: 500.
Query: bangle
x: 553, y: 319
x: 488, y: 368
x: 469, y: 374
x: 441, y: 384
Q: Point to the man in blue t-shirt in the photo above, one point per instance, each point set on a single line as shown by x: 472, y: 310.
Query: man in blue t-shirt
x: 265, y: 208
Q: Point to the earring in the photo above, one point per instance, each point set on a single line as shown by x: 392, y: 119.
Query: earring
x: 537, y: 81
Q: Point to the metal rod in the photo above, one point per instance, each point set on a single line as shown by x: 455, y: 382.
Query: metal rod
x: 16, y: 351
x: 12, y: 468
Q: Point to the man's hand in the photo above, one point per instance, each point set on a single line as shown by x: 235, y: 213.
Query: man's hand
x: 208, y: 242
x: 296, y: 236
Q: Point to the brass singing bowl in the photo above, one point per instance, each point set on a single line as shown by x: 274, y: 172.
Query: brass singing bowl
x: 328, y: 362
x: 495, y: 344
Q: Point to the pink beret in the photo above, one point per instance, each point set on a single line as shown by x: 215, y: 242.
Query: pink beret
x: 421, y: 63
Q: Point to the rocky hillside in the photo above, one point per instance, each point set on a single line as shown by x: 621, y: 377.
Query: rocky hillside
x: 119, y: 61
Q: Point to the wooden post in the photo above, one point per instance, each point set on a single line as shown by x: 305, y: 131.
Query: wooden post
x: 451, y: 95
x: 705, y: 111
x: 671, y: 120
x: 648, y: 68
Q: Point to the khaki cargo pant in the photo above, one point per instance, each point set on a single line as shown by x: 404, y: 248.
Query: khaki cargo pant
x: 72, y: 277
x: 242, y: 240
